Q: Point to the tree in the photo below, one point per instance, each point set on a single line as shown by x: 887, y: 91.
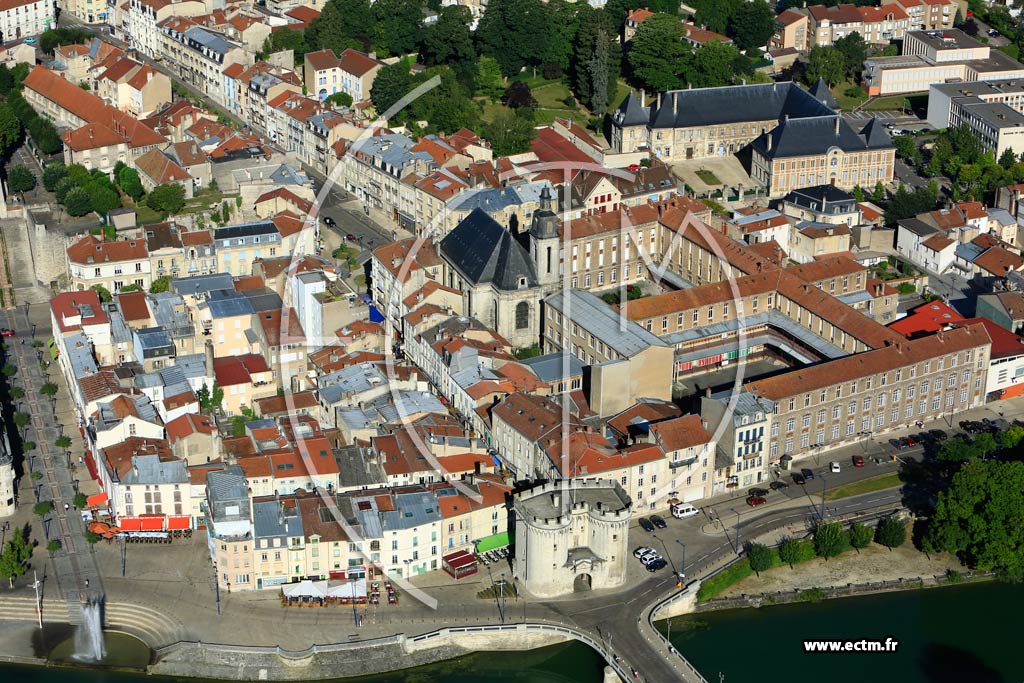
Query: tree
x: 77, y: 201
x: 596, y: 59
x: 287, y: 39
x: 43, y: 508
x: 892, y: 532
x: 858, y: 193
x: 339, y: 99
x: 658, y: 53
x: 342, y: 24
x: 861, y: 535
x: 907, y: 148
x: 597, y: 69
x: 517, y: 95
x: 210, y: 399
x: 168, y: 197
x: 391, y: 84
x: 49, y: 389
x: 103, y: 292
x: 17, y: 393
x: 10, y: 370
x: 131, y: 184
x: 752, y: 25
x: 509, y: 133
x: 160, y: 285
x: 513, y: 32
x: 829, y: 539
x: 20, y: 179
x: 398, y: 25
x: 14, y: 558
x: 102, y: 199
x: 53, y: 173
x: 716, y: 64
x: 10, y: 128
x: 1011, y: 436
x: 50, y: 39
x: 21, y: 420
x: 80, y: 500
x: 760, y: 557
x: 825, y: 62
x: 449, y: 41
x: 53, y: 546
x: 793, y: 551
x: 489, y: 81
x: 1007, y: 159
x: 130, y: 288
x: 716, y: 15
x: 854, y: 51
x: 62, y: 442
x: 563, y: 26
x: 878, y: 194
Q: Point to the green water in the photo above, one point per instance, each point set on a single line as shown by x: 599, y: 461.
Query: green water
x: 959, y: 634
x: 565, y: 663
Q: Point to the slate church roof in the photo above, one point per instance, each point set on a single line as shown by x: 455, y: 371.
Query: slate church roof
x: 485, y: 252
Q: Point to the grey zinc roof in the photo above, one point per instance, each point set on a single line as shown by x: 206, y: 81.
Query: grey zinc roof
x: 203, y: 283
x: 484, y: 252
x: 358, y: 467
x: 734, y: 104
x: 492, y: 199
x: 625, y: 337
x: 263, y: 299
x: 410, y: 403
x: 151, y: 338
x: 149, y: 469
x: 550, y: 367
x: 411, y: 510
x: 228, y: 304
x: 814, y: 135
x: 354, y: 379
x: 227, y: 484
x: 79, y: 355
x: 244, y: 230
x: 918, y: 227
x: 812, y: 197
x: 271, y: 519
x: 209, y: 40
x: 289, y: 175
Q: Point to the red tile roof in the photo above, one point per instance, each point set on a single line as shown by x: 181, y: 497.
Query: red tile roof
x: 90, y: 250
x: 187, y: 425
x: 134, y: 306
x: 70, y: 305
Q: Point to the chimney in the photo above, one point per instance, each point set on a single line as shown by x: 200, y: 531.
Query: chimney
x: 372, y: 55
x: 659, y: 100
x: 837, y: 126
x: 556, y: 499
x: 209, y: 358
x: 675, y: 104
x: 707, y: 392
x: 643, y: 97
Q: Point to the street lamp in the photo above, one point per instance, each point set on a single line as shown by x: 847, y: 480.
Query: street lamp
x: 216, y: 586
x: 737, y: 529
x: 823, y: 499
x: 682, y: 565
x: 502, y: 603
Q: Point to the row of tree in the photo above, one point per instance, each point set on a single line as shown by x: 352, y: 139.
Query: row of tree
x: 829, y: 540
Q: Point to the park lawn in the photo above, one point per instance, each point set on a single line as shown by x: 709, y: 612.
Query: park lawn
x: 846, y: 102
x: 708, y: 177
x: 145, y: 215
x: 891, y: 103
x: 733, y: 574
x: 884, y: 481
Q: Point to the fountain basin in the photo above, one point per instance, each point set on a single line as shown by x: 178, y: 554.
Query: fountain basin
x: 122, y: 651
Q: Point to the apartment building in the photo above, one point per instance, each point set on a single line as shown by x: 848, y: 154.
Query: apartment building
x: 790, y: 31
x: 876, y: 25
x: 352, y: 73
x: 111, y: 265
x: 199, y: 55
x: 23, y: 18
x: 144, y: 18
x: 929, y: 15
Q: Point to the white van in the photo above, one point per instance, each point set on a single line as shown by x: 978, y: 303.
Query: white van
x: 684, y: 510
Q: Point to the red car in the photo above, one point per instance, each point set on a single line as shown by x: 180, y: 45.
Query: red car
x: 754, y: 501
x: 634, y: 167
x: 858, y: 461
x: 6, y: 332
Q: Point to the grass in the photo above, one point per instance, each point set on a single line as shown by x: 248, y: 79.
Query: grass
x: 550, y: 96
x: 708, y: 177
x: 883, y: 481
x: 848, y: 102
x: 145, y: 215
x: 716, y: 585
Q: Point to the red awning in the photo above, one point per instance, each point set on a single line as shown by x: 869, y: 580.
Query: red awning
x: 130, y: 524
x: 178, y: 523
x: 97, y: 500
x: 153, y: 523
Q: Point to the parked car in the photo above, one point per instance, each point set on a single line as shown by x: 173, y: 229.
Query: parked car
x: 641, y: 551
x: 937, y: 434
x: 684, y: 510
x: 778, y: 485
x: 351, y: 238
x: 858, y: 461
x: 798, y: 479
x: 993, y: 33
x: 808, y: 474
x: 658, y: 522
x: 757, y: 492
x: 646, y: 525
x: 650, y: 557
x: 897, y: 444
x: 834, y: 468
x: 656, y: 565
x: 329, y: 222
x: 6, y: 332
x: 754, y: 501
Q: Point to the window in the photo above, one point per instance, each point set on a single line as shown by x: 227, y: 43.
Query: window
x: 805, y: 439
x: 806, y: 421
x: 821, y: 416
x: 852, y: 408
x: 789, y: 425
x: 850, y: 426
x: 522, y: 315
x: 835, y: 412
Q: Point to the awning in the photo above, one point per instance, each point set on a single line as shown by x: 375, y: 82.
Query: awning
x: 52, y: 345
x: 97, y: 500
x: 489, y: 543
x: 306, y: 589
x: 178, y: 522
x: 375, y: 315
x: 130, y: 524
x: 348, y: 589
x: 459, y: 559
x: 152, y: 523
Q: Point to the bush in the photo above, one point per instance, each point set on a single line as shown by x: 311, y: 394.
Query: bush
x: 892, y: 533
x: 20, y: 179
x: 570, y: 102
x: 43, y: 508
x: 761, y: 557
x: 53, y: 546
x: 80, y: 500
x: 551, y: 71
x: 77, y: 201
x: 906, y: 288
x: 169, y: 197
x: 861, y: 535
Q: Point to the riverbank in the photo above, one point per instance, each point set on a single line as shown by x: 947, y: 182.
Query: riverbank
x: 870, y: 565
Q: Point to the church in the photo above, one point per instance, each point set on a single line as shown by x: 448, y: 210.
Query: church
x: 501, y: 280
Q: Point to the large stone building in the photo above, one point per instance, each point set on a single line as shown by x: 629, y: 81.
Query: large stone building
x: 571, y: 536
x: 708, y: 122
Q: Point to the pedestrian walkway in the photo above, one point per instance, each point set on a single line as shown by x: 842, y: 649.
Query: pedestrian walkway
x: 74, y: 564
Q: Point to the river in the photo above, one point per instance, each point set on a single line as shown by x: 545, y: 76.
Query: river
x: 565, y: 663
x: 959, y: 634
